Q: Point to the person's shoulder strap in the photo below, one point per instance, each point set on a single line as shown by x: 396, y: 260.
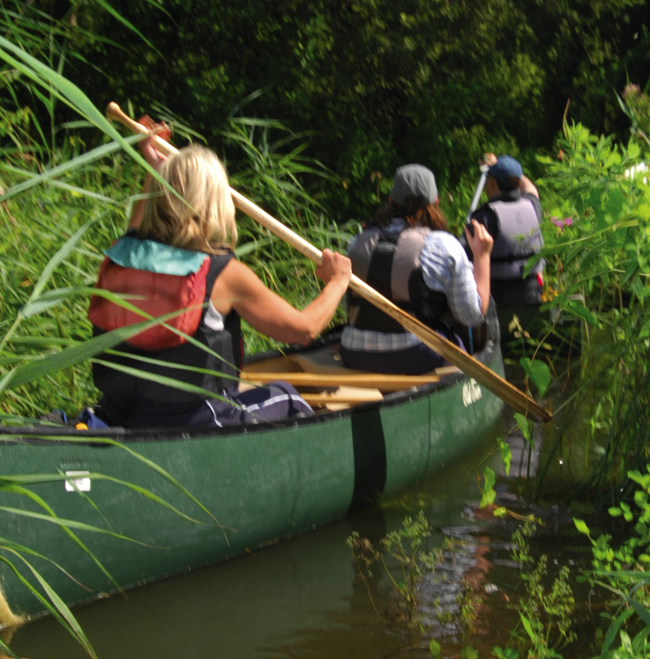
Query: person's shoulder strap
x: 217, y: 263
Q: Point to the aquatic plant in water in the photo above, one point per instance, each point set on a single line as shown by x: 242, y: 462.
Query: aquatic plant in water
x: 544, y: 609
x: 406, y: 547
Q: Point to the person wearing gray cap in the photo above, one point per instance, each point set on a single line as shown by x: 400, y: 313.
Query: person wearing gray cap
x: 409, y: 256
x: 512, y: 216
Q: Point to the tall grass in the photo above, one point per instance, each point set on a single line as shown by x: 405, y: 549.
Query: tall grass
x: 58, y: 213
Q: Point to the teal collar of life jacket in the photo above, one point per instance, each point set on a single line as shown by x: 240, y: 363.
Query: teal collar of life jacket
x: 153, y: 256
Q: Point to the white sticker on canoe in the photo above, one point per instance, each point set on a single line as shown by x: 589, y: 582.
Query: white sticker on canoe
x: 471, y: 392
x: 80, y: 481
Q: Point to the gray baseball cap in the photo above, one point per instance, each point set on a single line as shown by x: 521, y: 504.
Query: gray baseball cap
x: 415, y: 180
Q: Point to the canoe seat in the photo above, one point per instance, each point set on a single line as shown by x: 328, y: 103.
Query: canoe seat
x: 323, y: 360
x: 327, y: 360
x: 323, y: 381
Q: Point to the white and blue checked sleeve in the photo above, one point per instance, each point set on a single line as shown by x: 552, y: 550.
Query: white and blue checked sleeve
x: 446, y: 268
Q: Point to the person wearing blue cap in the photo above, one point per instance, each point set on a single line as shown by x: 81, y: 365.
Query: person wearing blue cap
x: 512, y: 216
x: 409, y: 256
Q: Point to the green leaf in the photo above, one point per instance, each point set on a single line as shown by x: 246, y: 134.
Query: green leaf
x: 434, y: 648
x: 506, y: 455
x: 70, y: 523
x: 645, y: 330
x: 488, y: 497
x: 123, y: 20
x: 57, y: 608
x: 149, y: 463
x: 615, y: 204
x: 490, y: 478
x: 581, y: 526
x: 526, y: 623
x: 50, y: 175
x: 7, y: 650
x: 538, y: 372
x: 469, y: 653
x: 614, y: 628
x: 34, y: 370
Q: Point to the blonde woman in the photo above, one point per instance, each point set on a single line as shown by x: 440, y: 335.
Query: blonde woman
x: 177, y: 254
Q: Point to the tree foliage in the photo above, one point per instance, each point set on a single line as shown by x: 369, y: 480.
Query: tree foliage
x: 381, y: 83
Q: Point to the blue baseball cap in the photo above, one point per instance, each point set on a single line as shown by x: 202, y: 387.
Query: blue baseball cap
x: 416, y: 181
x: 504, y: 167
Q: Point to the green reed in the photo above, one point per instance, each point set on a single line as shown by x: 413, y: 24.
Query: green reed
x: 597, y: 249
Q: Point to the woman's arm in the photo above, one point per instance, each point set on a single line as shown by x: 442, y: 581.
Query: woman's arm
x: 138, y: 211
x: 481, y: 245
x: 155, y: 159
x: 447, y: 269
x: 239, y: 288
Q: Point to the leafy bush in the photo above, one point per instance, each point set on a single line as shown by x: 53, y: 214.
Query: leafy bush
x: 598, y: 257
x: 623, y: 572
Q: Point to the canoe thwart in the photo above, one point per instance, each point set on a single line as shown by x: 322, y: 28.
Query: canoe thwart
x: 364, y: 380
x: 349, y: 395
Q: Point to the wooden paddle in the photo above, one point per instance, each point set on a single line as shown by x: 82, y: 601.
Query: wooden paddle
x: 451, y: 352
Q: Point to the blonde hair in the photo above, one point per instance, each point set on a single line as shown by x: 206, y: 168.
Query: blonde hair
x: 205, y: 221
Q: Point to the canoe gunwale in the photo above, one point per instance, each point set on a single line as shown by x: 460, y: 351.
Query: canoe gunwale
x: 126, y: 435
x: 30, y: 434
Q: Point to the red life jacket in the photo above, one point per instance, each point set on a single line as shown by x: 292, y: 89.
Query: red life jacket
x: 165, y: 293
x: 161, y: 293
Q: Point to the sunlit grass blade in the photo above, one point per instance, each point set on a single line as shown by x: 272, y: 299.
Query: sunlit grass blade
x: 5, y: 543
x: 124, y: 21
x: 7, y: 482
x: 138, y: 456
x: 77, y: 353
x: 173, y: 366
x: 7, y: 650
x: 53, y: 297
x: 57, y: 607
x: 53, y: 263
x: 161, y: 379
x: 68, y: 93
x: 71, y: 523
x: 26, y: 492
x: 74, y: 165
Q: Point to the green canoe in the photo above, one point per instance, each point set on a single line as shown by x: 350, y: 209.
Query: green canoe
x: 262, y: 483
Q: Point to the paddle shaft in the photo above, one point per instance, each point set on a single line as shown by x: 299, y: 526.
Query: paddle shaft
x: 448, y: 350
x: 477, y: 194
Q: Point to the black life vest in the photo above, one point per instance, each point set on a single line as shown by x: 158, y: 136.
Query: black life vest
x: 390, y: 263
x: 163, y: 292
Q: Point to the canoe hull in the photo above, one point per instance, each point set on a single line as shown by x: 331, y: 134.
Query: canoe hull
x: 261, y: 483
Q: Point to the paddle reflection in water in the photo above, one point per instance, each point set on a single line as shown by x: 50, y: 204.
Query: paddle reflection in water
x: 294, y: 599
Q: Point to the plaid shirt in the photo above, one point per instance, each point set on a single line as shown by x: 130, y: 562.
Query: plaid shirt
x: 446, y: 268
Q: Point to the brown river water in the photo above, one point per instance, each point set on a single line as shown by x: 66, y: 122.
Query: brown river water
x: 300, y: 598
